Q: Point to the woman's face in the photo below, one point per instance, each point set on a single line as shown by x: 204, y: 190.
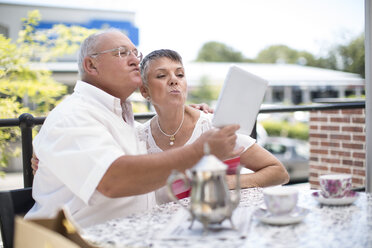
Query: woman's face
x: 166, y: 83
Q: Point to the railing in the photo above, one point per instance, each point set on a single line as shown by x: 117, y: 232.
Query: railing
x: 26, y: 122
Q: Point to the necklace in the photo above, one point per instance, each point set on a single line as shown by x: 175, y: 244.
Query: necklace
x: 171, y: 136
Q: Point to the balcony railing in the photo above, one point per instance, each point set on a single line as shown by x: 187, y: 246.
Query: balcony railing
x: 26, y: 122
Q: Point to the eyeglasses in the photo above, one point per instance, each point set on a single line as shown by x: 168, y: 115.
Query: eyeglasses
x: 121, y: 52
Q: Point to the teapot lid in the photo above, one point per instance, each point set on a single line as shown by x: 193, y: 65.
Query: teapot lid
x: 209, y: 163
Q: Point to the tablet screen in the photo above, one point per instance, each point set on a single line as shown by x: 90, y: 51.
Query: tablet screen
x: 240, y: 100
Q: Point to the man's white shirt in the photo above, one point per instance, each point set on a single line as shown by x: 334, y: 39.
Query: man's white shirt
x: 78, y: 142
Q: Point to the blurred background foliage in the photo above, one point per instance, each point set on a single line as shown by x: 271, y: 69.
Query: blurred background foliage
x: 214, y: 51
x: 283, y: 128
x: 348, y: 57
x: 24, y: 89
x: 204, y: 93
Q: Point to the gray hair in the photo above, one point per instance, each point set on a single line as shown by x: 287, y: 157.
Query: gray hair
x: 89, y: 45
x: 154, y: 55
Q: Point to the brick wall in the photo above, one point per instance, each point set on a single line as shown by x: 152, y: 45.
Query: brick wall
x: 337, y: 144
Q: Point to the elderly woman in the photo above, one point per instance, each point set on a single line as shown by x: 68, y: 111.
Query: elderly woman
x: 165, y: 85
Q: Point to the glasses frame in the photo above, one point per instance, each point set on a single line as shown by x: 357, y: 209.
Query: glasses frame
x: 120, y: 52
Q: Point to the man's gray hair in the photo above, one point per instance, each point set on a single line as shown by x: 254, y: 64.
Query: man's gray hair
x: 154, y: 55
x: 89, y: 46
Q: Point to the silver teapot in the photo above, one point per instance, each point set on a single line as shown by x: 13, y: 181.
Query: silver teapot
x: 210, y: 200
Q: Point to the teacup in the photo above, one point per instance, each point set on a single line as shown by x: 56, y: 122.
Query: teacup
x: 280, y: 200
x: 335, y: 185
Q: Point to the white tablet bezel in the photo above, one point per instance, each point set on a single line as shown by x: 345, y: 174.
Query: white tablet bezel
x: 240, y: 100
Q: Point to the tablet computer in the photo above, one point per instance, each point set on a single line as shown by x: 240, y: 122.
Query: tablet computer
x: 240, y: 100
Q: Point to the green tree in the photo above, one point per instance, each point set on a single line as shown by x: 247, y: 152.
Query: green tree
x: 285, y: 54
x: 205, y: 92
x: 348, y: 57
x: 24, y: 89
x: 352, y: 56
x: 214, y: 51
x: 328, y: 62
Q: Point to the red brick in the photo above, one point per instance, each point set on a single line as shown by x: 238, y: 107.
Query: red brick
x: 359, y: 155
x: 358, y: 120
x: 340, y: 136
x: 315, y: 183
x: 331, y: 111
x: 320, y: 119
x: 318, y: 135
x: 315, y: 159
x: 340, y: 119
x: 331, y: 144
x: 331, y: 160
x: 313, y: 127
x: 337, y: 138
x: 359, y: 172
x: 330, y: 128
x: 353, y: 146
x: 314, y: 186
x: 317, y: 112
x: 313, y: 174
x: 352, y: 111
x: 352, y: 129
x: 341, y: 153
x: 358, y: 181
x: 359, y: 137
x: 358, y: 163
x: 347, y: 162
x: 318, y: 151
x: 340, y: 170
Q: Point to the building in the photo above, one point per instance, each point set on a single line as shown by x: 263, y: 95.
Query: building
x: 288, y: 83
x: 12, y: 11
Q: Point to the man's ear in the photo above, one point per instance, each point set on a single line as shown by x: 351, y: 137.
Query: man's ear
x: 144, y: 91
x: 90, y: 65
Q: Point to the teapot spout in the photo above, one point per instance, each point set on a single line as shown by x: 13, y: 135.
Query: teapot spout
x: 235, y: 198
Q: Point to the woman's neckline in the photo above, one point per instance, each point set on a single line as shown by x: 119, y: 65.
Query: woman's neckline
x: 153, y: 140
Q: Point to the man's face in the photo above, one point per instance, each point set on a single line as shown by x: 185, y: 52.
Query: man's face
x: 117, y: 74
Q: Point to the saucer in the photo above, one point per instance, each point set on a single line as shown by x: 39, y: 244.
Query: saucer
x: 346, y: 200
x: 297, y: 215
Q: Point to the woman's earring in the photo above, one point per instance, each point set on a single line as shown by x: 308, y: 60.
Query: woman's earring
x: 148, y: 98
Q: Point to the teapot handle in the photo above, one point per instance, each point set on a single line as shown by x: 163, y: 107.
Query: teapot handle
x: 174, y: 176
x: 235, y: 198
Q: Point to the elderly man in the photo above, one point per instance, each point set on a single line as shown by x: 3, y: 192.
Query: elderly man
x: 90, y: 159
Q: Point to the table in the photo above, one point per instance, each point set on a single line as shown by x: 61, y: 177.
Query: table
x: 324, y: 226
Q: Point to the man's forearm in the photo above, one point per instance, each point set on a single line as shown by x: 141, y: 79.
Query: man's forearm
x: 134, y: 175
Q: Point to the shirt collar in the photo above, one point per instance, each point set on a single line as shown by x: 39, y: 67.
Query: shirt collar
x: 109, y: 101
x: 128, y: 112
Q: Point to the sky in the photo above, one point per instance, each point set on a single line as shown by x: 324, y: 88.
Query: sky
x: 247, y: 26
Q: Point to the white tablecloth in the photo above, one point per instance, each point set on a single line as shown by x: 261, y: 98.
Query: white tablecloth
x: 324, y: 226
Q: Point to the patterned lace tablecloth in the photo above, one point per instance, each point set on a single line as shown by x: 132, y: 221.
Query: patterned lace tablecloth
x: 324, y: 226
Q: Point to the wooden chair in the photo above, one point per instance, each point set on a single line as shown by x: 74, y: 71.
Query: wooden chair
x: 12, y: 203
